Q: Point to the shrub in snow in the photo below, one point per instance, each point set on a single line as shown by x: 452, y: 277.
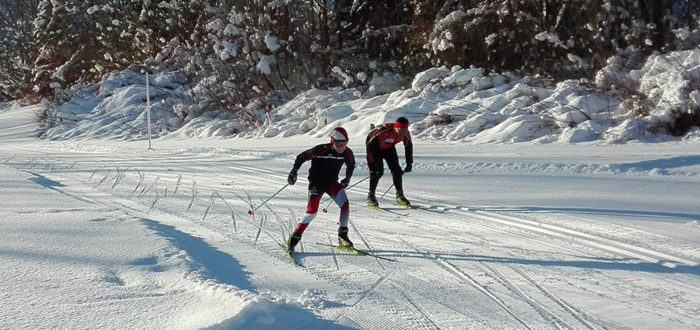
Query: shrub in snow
x: 661, y: 91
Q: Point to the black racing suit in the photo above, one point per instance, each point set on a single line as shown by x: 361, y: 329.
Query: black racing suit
x: 325, y: 164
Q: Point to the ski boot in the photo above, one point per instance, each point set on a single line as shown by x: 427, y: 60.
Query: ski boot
x: 343, y: 239
x: 372, y: 200
x: 292, y: 241
x: 401, y: 199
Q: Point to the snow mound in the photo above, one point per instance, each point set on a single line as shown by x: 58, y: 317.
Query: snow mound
x: 443, y: 104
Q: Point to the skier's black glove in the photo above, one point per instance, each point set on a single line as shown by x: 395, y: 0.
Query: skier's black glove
x: 292, y: 178
x: 344, y: 182
x: 408, y: 169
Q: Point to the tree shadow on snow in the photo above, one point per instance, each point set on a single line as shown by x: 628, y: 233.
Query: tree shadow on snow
x: 629, y: 264
x: 221, y: 266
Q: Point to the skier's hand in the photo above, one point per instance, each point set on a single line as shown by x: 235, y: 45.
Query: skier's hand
x: 292, y: 178
x: 408, y: 169
x: 344, y: 182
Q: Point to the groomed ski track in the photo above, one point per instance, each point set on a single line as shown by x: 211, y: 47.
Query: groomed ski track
x: 469, y: 266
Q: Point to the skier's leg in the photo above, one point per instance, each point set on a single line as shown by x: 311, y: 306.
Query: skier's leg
x: 376, y: 170
x: 311, y: 210
x: 341, y: 199
x: 392, y: 160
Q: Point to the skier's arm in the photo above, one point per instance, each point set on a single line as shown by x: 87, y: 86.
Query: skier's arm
x: 301, y: 158
x: 408, y: 150
x: 307, y: 155
x: 349, y: 164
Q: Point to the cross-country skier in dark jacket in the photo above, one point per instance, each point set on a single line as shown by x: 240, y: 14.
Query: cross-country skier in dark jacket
x: 326, y: 161
x: 380, y: 144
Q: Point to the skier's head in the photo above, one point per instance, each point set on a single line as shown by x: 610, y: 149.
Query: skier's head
x: 339, y: 139
x: 401, y: 126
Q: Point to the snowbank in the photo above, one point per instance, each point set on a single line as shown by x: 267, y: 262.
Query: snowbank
x: 443, y: 104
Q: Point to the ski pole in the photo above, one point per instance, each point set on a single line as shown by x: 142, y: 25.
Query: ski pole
x: 325, y: 210
x: 386, y: 191
x: 267, y: 200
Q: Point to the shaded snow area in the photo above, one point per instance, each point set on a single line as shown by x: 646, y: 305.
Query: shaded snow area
x: 98, y: 232
x: 443, y: 104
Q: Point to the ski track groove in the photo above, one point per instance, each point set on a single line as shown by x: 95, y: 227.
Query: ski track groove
x: 598, y: 242
x: 572, y: 310
x: 211, y: 202
x: 279, y: 221
x: 415, y: 305
x: 335, y: 258
x: 514, y: 222
x: 155, y: 200
x: 177, y: 185
x: 230, y: 207
x: 546, y: 314
x: 453, y: 270
x: 362, y: 237
x: 374, y: 286
x: 260, y: 229
x: 194, y: 194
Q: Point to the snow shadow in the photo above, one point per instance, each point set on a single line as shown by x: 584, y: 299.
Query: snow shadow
x: 657, y: 164
x: 635, y: 213
x: 266, y: 314
x: 603, y: 264
x: 627, y: 264
x: 587, y: 210
x: 221, y: 266
x: 44, y: 181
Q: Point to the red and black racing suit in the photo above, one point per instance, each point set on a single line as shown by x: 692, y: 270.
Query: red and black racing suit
x: 380, y: 144
x: 323, y: 178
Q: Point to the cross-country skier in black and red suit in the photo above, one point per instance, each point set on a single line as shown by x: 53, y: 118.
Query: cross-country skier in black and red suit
x: 326, y: 161
x: 380, y: 144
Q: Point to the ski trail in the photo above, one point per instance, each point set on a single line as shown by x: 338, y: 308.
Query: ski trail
x: 450, y: 268
x: 177, y: 185
x: 374, y: 286
x: 211, y: 202
x: 335, y: 258
x: 149, y: 187
x: 543, y: 311
x: 587, y: 239
x: 260, y: 228
x: 155, y: 200
x: 279, y: 221
x: 101, y: 181
x: 287, y: 231
x: 369, y: 247
x: 247, y: 201
x: 230, y: 207
x: 576, y: 313
x: 415, y: 305
x: 194, y: 195
x: 141, y: 178
x: 118, y: 178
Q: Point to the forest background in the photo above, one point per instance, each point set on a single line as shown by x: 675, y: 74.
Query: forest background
x: 249, y: 57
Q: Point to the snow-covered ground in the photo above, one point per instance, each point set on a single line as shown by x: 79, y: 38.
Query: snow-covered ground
x: 101, y: 233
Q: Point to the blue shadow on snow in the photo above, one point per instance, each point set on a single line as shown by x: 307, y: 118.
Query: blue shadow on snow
x: 224, y: 268
x: 661, y: 164
x: 44, y: 181
x: 221, y: 266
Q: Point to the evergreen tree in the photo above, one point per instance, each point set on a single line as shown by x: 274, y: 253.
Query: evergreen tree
x: 16, y: 46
